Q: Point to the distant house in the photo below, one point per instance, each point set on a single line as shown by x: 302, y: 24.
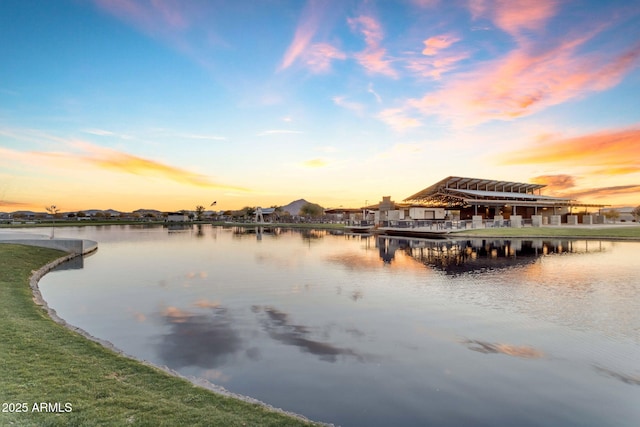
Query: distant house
x: 177, y: 217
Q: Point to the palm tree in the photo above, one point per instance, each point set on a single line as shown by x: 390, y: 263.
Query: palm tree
x: 53, y: 210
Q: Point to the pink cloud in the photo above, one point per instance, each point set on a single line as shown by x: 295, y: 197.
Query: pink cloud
x: 152, y: 16
x: 514, y: 16
x: 305, y: 31
x: 435, y: 67
x: 433, y: 45
x: 425, y: 3
x: 527, y: 80
x: 320, y: 56
x: 174, y: 22
x: 374, y: 57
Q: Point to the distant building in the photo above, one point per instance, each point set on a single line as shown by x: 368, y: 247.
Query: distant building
x: 177, y: 217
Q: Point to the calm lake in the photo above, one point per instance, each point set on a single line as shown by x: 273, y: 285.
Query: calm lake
x: 373, y: 331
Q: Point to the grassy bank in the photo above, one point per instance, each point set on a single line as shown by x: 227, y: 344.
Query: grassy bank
x: 627, y: 232
x: 42, y: 361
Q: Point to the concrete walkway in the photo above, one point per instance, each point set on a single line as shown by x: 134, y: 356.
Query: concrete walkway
x: 72, y: 246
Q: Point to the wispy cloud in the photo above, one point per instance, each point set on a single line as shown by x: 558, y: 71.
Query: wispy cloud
x: 279, y: 132
x: 374, y: 57
x: 99, y: 132
x: 555, y: 182
x: 341, y: 101
x: 107, y: 158
x: 525, y: 81
x: 606, y: 193
x: 613, y: 150
x: 307, y: 27
x: 172, y: 22
x: 598, y: 155
x: 103, y: 132
x: 401, y: 150
x: 436, y: 58
x: 374, y: 93
x: 203, y: 137
x: 80, y: 154
x: 320, y: 57
x: 398, y: 119
x: 544, y: 69
x: 154, y: 17
x: 434, y: 67
x: 12, y: 205
x: 515, y: 16
x: 425, y: 3
x: 433, y: 45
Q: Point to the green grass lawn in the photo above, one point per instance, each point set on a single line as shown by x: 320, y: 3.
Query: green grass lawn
x: 42, y: 361
x: 627, y: 232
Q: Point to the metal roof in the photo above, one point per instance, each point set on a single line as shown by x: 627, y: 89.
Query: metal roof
x: 478, y: 184
x: 507, y: 195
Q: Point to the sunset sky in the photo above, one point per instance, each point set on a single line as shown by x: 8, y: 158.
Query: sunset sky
x: 170, y: 104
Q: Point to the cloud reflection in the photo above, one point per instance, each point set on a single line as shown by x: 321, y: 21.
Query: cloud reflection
x: 485, y: 347
x: 627, y: 379
x: 279, y: 327
x: 202, y: 340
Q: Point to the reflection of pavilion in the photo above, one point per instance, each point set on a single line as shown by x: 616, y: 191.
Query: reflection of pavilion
x: 459, y: 256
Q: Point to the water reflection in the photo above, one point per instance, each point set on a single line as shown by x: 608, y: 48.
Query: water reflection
x: 202, y: 340
x: 460, y: 256
x: 173, y: 228
x: 387, y: 322
x: 625, y: 378
x: 75, y: 263
x: 485, y: 347
x: 279, y: 327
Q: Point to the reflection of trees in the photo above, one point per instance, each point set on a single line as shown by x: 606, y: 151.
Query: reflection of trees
x: 310, y: 234
x: 457, y: 256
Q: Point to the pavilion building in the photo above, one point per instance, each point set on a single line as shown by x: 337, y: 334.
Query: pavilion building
x: 484, y: 199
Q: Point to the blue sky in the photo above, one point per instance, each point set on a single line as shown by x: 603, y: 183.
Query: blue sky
x: 171, y: 104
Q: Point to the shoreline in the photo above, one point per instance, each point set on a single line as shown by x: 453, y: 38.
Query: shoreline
x: 196, y: 381
x: 613, y: 232
x: 39, y: 302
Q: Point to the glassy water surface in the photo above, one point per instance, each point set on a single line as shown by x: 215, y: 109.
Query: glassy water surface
x: 373, y: 331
